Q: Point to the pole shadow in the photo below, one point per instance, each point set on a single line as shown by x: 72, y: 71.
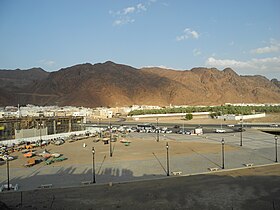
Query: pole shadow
x: 160, y: 163
x: 205, y: 157
x: 98, y: 172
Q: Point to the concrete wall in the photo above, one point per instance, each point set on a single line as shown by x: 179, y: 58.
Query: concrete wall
x: 26, y: 133
x: 169, y: 115
x: 47, y: 137
x: 239, y: 117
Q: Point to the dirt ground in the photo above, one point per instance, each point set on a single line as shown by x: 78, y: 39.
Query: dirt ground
x: 180, y: 120
x: 138, y: 149
x: 250, y: 188
x: 269, y: 118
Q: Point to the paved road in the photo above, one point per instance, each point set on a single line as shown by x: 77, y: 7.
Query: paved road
x: 207, y: 128
x: 123, y: 122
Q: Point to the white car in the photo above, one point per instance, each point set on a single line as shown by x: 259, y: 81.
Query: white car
x: 220, y: 131
x: 231, y: 126
x: 168, y: 131
x: 7, y: 157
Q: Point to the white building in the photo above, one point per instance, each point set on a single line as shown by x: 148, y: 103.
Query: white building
x: 2, y: 114
x: 105, y: 113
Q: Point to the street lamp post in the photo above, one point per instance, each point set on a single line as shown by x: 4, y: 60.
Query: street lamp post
x: 157, y: 131
x: 276, y: 154
x: 8, y: 173
x: 241, y: 133
x: 40, y: 126
x: 93, y: 165
x: 110, y: 141
x: 167, y: 159
x: 99, y: 127
x: 223, y: 153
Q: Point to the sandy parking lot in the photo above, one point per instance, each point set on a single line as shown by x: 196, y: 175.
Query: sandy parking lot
x: 138, y: 149
x: 143, y: 158
x: 269, y: 118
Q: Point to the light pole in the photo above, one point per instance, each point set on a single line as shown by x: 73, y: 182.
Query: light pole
x: 276, y: 154
x: 167, y: 159
x: 99, y: 127
x: 223, y: 153
x: 8, y: 173
x: 241, y: 133
x: 222, y: 119
x: 110, y: 143
x: 93, y: 165
x: 40, y: 126
x: 157, y: 131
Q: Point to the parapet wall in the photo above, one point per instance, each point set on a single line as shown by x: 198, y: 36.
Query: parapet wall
x: 46, y: 137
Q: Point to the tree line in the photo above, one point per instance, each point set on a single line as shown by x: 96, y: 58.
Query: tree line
x: 215, y: 110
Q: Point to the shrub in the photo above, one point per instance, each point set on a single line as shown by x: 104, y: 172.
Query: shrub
x: 189, y: 116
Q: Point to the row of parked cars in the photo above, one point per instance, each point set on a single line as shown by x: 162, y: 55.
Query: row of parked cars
x: 147, y: 128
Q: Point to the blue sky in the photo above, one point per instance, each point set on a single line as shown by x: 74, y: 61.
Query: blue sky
x: 178, y: 34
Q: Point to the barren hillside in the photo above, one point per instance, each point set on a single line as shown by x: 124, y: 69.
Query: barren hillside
x: 111, y: 84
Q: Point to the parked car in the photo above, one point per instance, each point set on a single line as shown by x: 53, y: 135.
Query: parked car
x: 176, y: 126
x: 184, y: 132
x: 168, y: 131
x: 220, y: 131
x: 240, y: 129
x: 133, y: 129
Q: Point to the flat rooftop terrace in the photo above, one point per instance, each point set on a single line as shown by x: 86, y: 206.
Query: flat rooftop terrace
x: 248, y: 188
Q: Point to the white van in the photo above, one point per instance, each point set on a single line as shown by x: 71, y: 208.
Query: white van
x: 220, y: 131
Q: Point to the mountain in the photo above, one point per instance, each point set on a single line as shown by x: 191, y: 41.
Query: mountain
x: 211, y: 86
x: 14, y: 82
x: 111, y: 84
x: 276, y: 82
x: 10, y: 79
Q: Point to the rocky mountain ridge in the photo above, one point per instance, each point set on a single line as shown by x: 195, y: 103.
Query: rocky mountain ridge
x: 111, y: 84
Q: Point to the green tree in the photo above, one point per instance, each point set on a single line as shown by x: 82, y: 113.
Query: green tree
x: 189, y: 116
